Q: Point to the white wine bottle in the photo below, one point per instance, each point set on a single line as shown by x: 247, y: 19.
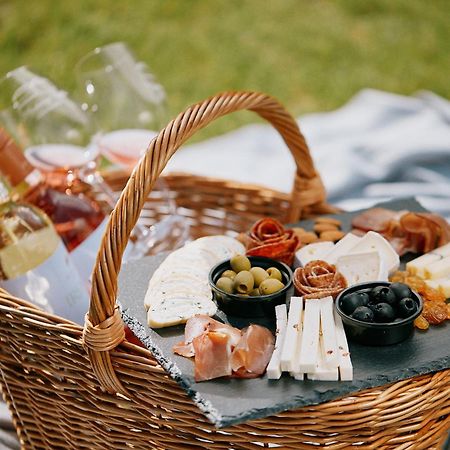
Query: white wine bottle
x: 35, y: 264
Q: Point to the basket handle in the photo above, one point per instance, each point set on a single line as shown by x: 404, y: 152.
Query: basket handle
x: 103, y: 329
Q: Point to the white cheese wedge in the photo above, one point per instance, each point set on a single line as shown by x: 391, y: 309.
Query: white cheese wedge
x: 309, y: 348
x: 274, y: 367
x: 322, y: 371
x: 328, y: 334
x: 341, y: 248
x: 374, y: 242
x: 361, y: 267
x: 443, y: 251
x: 310, y: 252
x: 441, y: 284
x: 438, y: 269
x: 291, y: 340
x: 345, y: 363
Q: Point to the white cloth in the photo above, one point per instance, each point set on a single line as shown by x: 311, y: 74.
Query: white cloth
x: 376, y: 147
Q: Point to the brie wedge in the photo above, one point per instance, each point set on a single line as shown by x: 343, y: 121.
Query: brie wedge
x: 361, y: 267
x: 341, y: 248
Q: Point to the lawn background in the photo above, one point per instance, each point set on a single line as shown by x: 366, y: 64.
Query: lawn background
x: 311, y: 54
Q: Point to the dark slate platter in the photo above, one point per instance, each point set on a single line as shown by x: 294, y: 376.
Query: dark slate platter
x: 232, y: 401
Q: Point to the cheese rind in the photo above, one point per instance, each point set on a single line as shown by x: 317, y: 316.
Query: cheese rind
x: 341, y: 248
x: 372, y: 242
x: 274, y: 367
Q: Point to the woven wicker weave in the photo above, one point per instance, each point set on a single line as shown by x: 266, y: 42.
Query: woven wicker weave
x: 69, y: 388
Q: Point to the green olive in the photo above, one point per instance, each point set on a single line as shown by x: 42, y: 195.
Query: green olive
x: 225, y: 284
x: 239, y: 263
x: 229, y: 274
x: 255, y: 293
x: 274, y: 273
x: 243, y: 282
x: 259, y: 275
x: 270, y: 286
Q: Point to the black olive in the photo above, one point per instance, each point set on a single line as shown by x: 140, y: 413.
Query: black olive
x: 383, y: 312
x: 383, y: 294
x: 406, y: 307
x: 351, y: 301
x: 401, y: 290
x: 363, y: 313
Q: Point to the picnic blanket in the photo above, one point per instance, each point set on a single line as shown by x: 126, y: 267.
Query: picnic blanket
x: 377, y: 147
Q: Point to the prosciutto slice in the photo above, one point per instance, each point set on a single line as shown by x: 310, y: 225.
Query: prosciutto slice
x: 200, y: 324
x: 212, y: 356
x: 253, y: 352
x: 222, y: 350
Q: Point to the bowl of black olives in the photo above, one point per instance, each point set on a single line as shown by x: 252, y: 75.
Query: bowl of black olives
x: 251, y: 286
x: 378, y: 313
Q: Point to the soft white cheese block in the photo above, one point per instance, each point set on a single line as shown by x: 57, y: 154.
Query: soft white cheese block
x: 374, y: 242
x: 361, y: 267
x: 310, y: 252
x: 322, y: 371
x: 309, y: 348
x: 328, y: 333
x: 441, y: 284
x: 443, y: 251
x: 274, y: 367
x: 438, y: 269
x: 291, y: 340
x: 341, y: 248
x: 345, y: 363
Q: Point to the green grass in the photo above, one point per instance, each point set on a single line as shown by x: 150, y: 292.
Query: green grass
x: 313, y: 54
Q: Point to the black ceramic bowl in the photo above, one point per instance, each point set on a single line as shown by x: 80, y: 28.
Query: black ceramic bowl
x: 258, y: 306
x: 370, y: 333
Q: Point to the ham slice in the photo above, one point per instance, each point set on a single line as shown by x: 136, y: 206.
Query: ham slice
x: 376, y: 219
x: 222, y: 350
x: 253, y: 352
x: 200, y: 324
x: 212, y: 356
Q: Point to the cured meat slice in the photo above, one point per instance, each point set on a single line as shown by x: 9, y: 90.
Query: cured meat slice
x: 200, y: 324
x: 253, y: 352
x: 318, y: 279
x: 270, y: 239
x: 212, y: 356
x: 376, y: 219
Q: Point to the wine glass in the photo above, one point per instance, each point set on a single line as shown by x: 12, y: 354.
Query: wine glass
x: 120, y: 91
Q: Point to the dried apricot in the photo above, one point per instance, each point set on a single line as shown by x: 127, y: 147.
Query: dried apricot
x: 435, y: 312
x: 421, y: 323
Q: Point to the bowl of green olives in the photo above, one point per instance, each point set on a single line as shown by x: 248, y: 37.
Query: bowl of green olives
x: 251, y: 286
x: 378, y: 313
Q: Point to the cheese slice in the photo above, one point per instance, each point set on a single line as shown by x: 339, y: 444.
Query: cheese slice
x: 323, y: 372
x: 362, y: 267
x: 442, y: 251
x: 345, y: 363
x: 417, y: 266
x: 310, y: 252
x: 374, y: 242
x: 341, y: 248
x: 274, y: 367
x: 328, y: 334
x: 291, y: 340
x: 438, y: 269
x: 441, y: 284
x: 309, y: 348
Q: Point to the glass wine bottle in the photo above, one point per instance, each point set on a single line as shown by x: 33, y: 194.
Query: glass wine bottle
x: 78, y: 218
x: 34, y: 263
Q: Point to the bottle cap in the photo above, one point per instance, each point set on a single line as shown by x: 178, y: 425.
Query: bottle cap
x: 14, y: 167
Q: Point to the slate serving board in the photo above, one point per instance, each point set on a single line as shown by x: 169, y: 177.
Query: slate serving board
x: 232, y: 401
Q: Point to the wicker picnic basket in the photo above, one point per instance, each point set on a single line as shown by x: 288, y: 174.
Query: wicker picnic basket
x: 74, y: 388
